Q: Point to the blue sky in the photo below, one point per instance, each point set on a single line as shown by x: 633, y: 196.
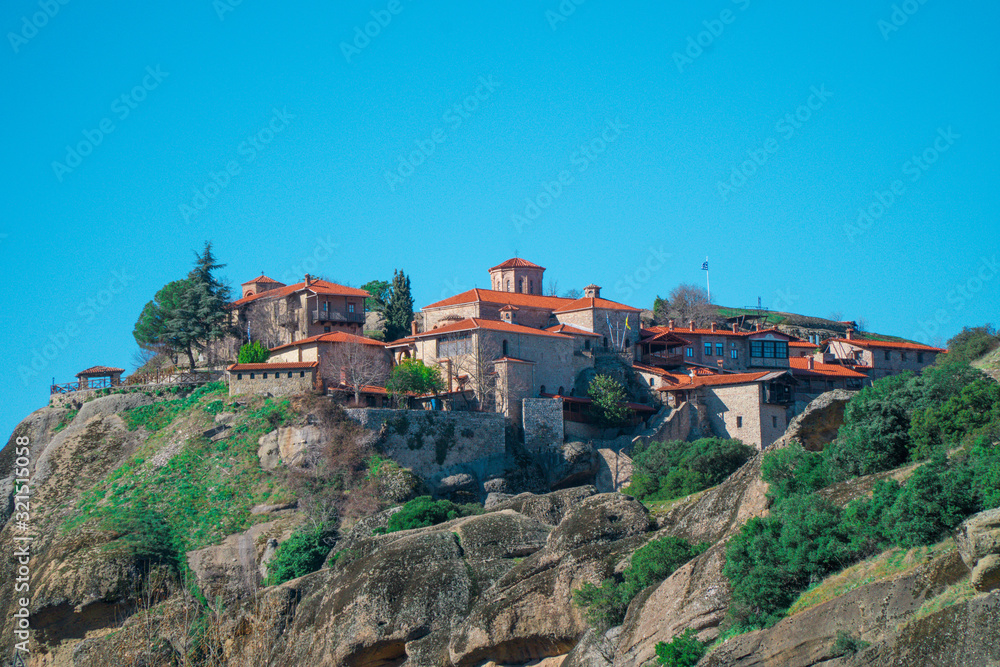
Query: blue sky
x: 827, y: 157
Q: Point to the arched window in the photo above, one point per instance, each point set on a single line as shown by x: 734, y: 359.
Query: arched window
x: 605, y: 341
x: 651, y: 382
x: 508, y: 284
x: 504, y: 348
x: 561, y: 391
x: 531, y: 287
x: 586, y: 344
x: 541, y: 390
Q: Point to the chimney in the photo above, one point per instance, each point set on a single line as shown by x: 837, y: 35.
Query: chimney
x: 735, y: 328
x: 592, y: 291
x: 670, y: 323
x: 810, y: 363
x: 756, y: 326
x: 308, y: 280
x: 850, y: 333
x: 691, y: 325
x: 413, y: 327
x: 712, y: 327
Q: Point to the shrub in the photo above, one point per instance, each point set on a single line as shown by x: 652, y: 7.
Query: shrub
x: 933, y: 502
x: 874, y: 436
x: 425, y: 511
x: 944, y: 427
x: 972, y: 343
x: 610, y: 402
x: 605, y: 605
x: 303, y: 552
x: 847, y: 645
x: 253, y: 353
x: 411, y: 375
x: 667, y: 470
x: 684, y: 650
x: 792, y: 470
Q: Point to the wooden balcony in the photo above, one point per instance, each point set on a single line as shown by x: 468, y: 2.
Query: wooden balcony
x: 662, y: 359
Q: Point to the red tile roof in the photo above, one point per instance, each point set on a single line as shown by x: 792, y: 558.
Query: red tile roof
x: 520, y: 361
x: 719, y: 331
x: 884, y: 344
x: 800, y: 366
x: 277, y: 366
x: 572, y: 331
x: 315, y: 286
x: 261, y: 279
x: 400, y: 342
x: 803, y: 343
x: 331, y: 337
x: 663, y: 337
x: 100, y: 370
x: 517, y: 263
x: 591, y: 302
x: 477, y: 295
x: 493, y: 325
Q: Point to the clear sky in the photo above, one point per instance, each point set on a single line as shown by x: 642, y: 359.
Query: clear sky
x: 826, y: 157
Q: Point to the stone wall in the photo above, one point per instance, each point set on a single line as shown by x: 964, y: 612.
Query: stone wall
x: 543, y: 423
x: 435, y: 444
x: 276, y: 383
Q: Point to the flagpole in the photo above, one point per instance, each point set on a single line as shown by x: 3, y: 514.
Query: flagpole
x: 708, y: 284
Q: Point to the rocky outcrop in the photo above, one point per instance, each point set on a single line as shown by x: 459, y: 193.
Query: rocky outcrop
x: 819, y: 422
x: 865, y: 613
x: 978, y: 540
x: 549, y: 508
x: 695, y: 596
x: 293, y: 446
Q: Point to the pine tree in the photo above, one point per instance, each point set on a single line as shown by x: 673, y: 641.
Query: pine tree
x: 398, y: 307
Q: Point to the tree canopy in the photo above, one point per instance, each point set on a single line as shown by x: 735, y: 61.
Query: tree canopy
x: 398, y: 307
x: 610, y: 402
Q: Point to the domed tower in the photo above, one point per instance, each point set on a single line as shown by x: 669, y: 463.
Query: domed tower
x: 517, y: 275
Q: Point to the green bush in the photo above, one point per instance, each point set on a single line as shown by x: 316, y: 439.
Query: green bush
x: 253, y: 353
x: 945, y: 426
x: 684, y: 650
x: 792, y: 470
x: 972, y: 343
x: 605, y: 605
x: 425, y: 511
x: 667, y: 470
x: 610, y: 402
x: 303, y: 552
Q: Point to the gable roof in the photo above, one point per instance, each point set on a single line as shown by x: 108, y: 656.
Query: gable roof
x: 886, y: 344
x: 324, y: 287
x: 473, y: 323
x: 331, y: 337
x: 477, y: 295
x: 276, y: 366
x: 100, y: 370
x: 800, y: 366
x: 517, y: 263
x: 594, y: 302
x: 572, y: 331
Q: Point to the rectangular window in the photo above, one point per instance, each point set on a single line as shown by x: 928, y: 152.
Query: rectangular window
x: 302, y: 374
x: 720, y: 349
x: 774, y: 421
x: 769, y: 349
x: 689, y: 352
x: 289, y: 374
x: 739, y: 422
x: 239, y: 376
x: 888, y: 355
x: 265, y: 376
x: 350, y: 307
x: 781, y: 349
x: 756, y: 348
x: 902, y: 356
x: 708, y: 349
x: 920, y: 357
x: 735, y: 354
x: 251, y: 376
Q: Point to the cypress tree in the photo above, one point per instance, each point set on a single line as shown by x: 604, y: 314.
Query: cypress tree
x: 398, y: 307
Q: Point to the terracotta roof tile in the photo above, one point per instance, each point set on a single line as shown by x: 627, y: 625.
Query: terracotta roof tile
x: 886, y: 344
x: 332, y: 337
x: 572, y: 331
x: 315, y: 286
x: 261, y: 279
x: 592, y: 302
x: 477, y: 295
x: 800, y: 366
x: 494, y: 325
x: 517, y: 263
x: 100, y: 370
x: 277, y: 366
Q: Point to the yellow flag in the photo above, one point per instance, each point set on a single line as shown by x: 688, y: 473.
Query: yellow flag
x: 626, y: 323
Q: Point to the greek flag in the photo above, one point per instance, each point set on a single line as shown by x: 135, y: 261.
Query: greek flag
x: 704, y: 265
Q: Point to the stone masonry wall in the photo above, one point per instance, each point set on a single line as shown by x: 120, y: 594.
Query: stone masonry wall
x: 435, y: 444
x: 276, y: 386
x: 543, y: 423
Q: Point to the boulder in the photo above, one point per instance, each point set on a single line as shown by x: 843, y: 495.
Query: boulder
x: 548, y: 508
x: 399, y: 485
x: 109, y: 405
x: 293, y: 446
x: 595, y: 649
x: 600, y: 519
x: 978, y: 540
x: 575, y: 463
x: 267, y: 451
x: 819, y: 422
x: 459, y: 488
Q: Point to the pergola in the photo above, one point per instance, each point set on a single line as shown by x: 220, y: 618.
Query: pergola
x: 97, y: 377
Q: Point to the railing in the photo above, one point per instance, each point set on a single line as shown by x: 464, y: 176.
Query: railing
x: 170, y: 376
x: 95, y: 383
x: 659, y: 359
x: 336, y: 316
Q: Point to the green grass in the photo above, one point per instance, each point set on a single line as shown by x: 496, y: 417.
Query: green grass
x: 887, y: 564
x: 65, y: 421
x: 954, y: 594
x: 204, y: 492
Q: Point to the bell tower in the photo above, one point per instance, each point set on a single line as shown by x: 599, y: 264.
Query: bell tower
x: 517, y: 275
